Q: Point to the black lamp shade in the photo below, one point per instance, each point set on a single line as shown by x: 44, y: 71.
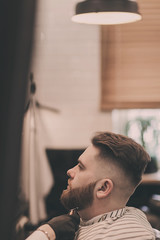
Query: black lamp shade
x: 121, y: 7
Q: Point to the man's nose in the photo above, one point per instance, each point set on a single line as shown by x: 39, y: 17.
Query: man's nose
x: 71, y: 172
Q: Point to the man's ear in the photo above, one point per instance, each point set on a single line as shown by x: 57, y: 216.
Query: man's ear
x: 104, y: 188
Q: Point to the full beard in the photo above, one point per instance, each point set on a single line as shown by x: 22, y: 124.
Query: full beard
x: 79, y: 198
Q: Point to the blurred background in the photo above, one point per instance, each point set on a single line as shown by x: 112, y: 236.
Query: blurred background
x: 61, y: 82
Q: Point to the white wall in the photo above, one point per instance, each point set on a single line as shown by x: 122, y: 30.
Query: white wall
x: 66, y: 67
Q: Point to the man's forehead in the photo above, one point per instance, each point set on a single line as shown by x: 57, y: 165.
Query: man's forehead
x: 89, y: 154
x: 90, y: 160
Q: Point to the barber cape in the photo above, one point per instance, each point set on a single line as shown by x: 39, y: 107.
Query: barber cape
x: 122, y: 224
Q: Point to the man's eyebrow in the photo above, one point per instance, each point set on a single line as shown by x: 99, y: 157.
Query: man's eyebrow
x: 80, y: 162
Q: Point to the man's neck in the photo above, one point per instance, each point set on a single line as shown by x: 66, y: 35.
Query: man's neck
x: 93, y: 211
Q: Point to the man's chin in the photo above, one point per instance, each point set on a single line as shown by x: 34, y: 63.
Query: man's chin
x: 67, y: 199
x: 79, y: 198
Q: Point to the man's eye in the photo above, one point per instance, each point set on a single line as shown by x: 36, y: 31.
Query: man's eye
x: 80, y: 166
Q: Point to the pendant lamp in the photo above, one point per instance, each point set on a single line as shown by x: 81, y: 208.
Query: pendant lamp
x: 107, y: 12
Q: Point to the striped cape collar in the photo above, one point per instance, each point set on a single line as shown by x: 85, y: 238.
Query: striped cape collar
x: 106, y: 216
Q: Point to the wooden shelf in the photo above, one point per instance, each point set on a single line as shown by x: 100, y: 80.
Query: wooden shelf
x: 151, y: 178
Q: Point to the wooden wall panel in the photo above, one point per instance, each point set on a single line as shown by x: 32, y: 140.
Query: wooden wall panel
x: 130, y: 61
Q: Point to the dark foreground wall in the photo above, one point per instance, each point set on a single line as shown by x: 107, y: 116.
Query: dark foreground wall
x: 16, y: 26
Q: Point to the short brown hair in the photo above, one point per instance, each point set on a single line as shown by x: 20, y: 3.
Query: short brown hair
x: 124, y: 152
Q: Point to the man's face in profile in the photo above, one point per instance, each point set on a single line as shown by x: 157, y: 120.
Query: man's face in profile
x: 82, y: 180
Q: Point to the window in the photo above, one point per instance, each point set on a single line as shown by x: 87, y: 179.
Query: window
x: 131, y: 122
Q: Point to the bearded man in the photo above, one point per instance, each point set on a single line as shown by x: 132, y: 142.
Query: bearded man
x: 99, y: 187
